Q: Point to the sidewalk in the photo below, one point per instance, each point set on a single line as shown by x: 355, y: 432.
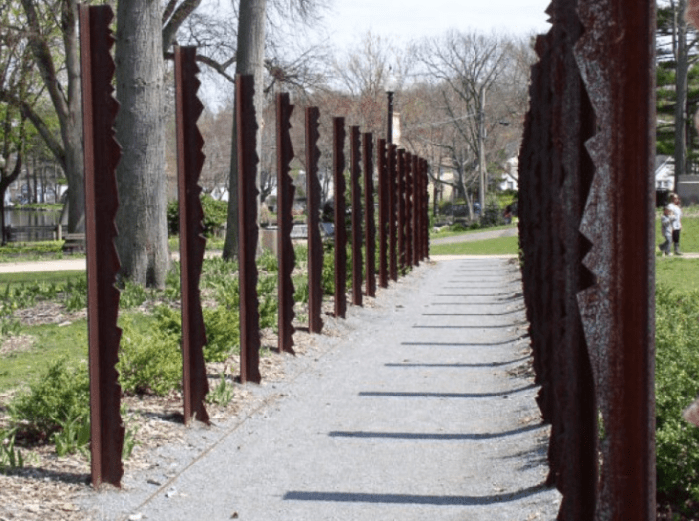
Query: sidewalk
x: 420, y: 407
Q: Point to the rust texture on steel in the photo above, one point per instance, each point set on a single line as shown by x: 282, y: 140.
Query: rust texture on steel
x: 392, y: 171
x: 356, y: 194
x: 618, y: 311
x: 586, y: 159
x: 285, y: 248
x: 400, y: 207
x: 369, y: 224
x: 417, y: 209
x: 339, y: 215
x: 101, y: 155
x: 190, y: 160
x: 247, y: 229
x: 383, y: 212
x: 315, y: 243
x: 409, y: 201
x: 423, y: 211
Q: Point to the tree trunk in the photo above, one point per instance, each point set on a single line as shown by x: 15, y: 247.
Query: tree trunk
x: 249, y: 60
x: 141, y: 177
x: 681, y: 92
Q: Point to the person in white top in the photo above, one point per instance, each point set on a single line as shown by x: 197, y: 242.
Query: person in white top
x: 676, y: 208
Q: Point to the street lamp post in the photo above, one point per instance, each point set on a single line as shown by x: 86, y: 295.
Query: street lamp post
x: 390, y: 89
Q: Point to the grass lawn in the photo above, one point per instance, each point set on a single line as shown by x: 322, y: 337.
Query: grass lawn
x: 450, y: 233
x: 48, y: 277
x: 499, y: 246
x: 50, y: 343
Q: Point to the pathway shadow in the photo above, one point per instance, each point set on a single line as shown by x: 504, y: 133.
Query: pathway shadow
x: 446, y: 395
x: 435, y: 436
x: 460, y: 365
x: 412, y: 499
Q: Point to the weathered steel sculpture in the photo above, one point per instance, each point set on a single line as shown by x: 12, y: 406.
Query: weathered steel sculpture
x: 248, y: 231
x: 101, y: 156
x: 190, y: 160
x: 340, y: 210
x: 285, y: 223
x: 369, y: 224
x: 315, y: 243
x: 586, y: 224
x: 356, y: 194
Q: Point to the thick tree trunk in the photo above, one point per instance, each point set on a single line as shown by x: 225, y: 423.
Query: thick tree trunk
x: 141, y: 177
x: 249, y: 60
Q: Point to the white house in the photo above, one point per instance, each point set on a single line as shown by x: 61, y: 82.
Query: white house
x: 510, y: 178
x: 665, y: 173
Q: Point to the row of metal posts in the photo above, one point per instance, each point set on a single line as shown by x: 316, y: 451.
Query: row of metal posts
x: 402, y: 229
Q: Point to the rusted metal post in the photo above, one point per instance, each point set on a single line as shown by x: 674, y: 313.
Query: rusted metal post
x: 190, y: 160
x: 247, y: 230
x: 369, y: 225
x: 356, y: 194
x: 400, y: 199
x: 285, y: 248
x: 101, y: 156
x: 618, y: 311
x: 392, y: 162
x: 417, y: 210
x: 426, y: 210
x: 340, y: 211
x: 383, y: 213
x: 315, y: 243
x: 409, y: 202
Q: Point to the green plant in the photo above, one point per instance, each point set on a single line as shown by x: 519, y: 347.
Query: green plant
x: 328, y: 274
x: 222, y: 332
x: 268, y: 262
x: 10, y: 457
x: 215, y: 214
x: 73, y: 436
x: 76, y: 294
x: 150, y: 362
x: 62, y: 392
x: 676, y: 386
x: 132, y: 295
x: 301, y: 288
x: 267, y: 296
x: 222, y: 393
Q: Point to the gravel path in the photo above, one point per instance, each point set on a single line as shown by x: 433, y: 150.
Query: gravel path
x: 419, y: 407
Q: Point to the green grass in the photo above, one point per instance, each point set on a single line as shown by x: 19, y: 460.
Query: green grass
x: 51, y: 342
x: 499, y: 246
x: 29, y: 277
x: 678, y: 274
x: 450, y: 233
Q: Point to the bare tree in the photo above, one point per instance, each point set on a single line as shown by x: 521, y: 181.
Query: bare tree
x: 468, y: 64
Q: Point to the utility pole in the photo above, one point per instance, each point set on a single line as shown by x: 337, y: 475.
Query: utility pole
x: 481, y: 149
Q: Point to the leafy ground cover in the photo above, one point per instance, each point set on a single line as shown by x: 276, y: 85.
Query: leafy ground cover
x: 43, y: 334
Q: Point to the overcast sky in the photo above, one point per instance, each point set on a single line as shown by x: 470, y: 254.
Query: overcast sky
x: 402, y: 20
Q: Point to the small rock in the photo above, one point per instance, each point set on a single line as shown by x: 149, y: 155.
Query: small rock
x: 136, y: 517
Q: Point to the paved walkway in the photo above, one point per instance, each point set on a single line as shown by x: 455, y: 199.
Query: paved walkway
x: 419, y: 407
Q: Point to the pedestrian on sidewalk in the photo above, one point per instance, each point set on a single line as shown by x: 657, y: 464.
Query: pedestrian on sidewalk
x: 666, y: 222
x: 675, y: 206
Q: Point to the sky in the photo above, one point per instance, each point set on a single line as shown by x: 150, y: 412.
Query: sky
x: 403, y: 20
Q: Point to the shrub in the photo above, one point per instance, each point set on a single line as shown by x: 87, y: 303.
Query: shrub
x: 61, y: 394
x: 215, y: 213
x: 676, y: 385
x: 150, y: 362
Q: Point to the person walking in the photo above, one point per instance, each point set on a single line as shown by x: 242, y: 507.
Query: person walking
x: 666, y: 221
x: 676, y: 208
